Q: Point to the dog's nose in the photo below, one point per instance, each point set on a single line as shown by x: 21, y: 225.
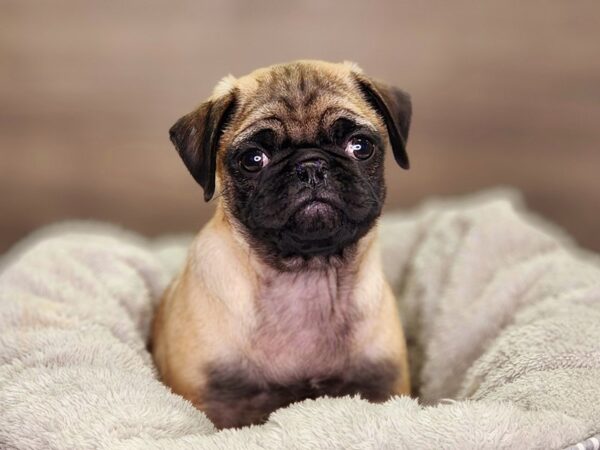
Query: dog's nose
x: 312, y: 172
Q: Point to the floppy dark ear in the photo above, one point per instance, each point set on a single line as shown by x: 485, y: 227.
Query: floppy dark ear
x: 395, y: 108
x: 196, y: 137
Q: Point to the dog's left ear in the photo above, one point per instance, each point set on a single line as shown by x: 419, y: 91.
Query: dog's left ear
x: 196, y: 137
x: 395, y: 108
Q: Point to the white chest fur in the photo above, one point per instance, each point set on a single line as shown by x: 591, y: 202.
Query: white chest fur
x: 280, y: 326
x: 304, y: 323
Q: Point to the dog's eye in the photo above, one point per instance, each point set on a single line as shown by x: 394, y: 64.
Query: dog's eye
x: 253, y: 160
x: 359, y: 148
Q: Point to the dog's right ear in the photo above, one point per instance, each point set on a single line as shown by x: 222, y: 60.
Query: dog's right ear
x: 196, y: 137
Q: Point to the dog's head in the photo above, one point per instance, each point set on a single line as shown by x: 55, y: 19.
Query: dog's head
x: 296, y: 154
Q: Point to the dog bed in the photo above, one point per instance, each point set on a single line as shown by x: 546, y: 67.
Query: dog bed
x: 502, y: 316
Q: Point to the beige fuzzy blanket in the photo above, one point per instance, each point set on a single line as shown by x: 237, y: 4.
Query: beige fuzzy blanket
x: 502, y: 317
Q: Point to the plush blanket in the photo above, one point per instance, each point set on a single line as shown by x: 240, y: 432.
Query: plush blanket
x: 502, y: 316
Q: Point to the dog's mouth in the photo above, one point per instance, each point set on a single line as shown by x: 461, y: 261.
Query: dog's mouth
x: 318, y: 204
x: 316, y: 223
x: 317, y: 215
x: 314, y: 208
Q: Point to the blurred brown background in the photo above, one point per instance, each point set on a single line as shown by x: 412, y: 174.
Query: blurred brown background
x: 504, y: 94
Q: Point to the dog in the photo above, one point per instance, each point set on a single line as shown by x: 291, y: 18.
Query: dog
x: 282, y: 297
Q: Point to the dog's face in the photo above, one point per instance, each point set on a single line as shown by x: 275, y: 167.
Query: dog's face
x: 297, y: 153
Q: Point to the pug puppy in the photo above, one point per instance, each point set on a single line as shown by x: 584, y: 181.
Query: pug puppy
x: 282, y: 297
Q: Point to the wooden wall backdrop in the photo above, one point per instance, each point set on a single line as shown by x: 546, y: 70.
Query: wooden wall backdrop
x: 505, y: 94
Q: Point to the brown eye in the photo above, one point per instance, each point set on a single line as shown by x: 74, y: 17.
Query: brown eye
x: 359, y: 148
x: 253, y: 160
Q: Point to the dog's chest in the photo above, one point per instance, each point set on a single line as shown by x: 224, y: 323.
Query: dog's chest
x: 303, y: 324
x: 300, y: 347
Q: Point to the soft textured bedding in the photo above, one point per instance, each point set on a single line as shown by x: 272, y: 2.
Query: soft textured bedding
x: 502, y: 317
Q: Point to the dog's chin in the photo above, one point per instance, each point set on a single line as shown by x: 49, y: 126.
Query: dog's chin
x: 314, y: 229
x: 317, y: 234
x: 316, y: 220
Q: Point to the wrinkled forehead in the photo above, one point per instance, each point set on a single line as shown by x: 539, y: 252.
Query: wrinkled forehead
x: 297, y: 103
